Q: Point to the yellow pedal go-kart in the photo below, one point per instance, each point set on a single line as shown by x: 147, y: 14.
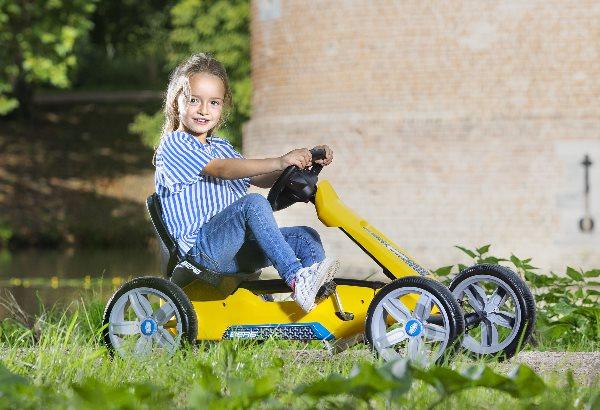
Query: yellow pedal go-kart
x: 488, y: 309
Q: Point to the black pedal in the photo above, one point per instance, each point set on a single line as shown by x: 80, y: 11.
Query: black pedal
x: 326, y: 290
x: 345, y: 316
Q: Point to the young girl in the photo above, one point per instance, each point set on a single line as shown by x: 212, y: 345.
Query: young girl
x: 203, y: 181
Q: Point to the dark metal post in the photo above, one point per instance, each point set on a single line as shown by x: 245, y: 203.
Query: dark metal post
x: 586, y: 224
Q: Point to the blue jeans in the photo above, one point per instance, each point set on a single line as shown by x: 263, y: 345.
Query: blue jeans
x: 245, y: 237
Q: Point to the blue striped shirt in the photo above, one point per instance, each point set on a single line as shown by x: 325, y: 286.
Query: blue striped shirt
x: 190, y: 198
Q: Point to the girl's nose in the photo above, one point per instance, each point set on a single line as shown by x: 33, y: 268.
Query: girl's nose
x: 203, y: 108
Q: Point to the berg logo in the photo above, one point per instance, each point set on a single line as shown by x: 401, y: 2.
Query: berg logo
x: 413, y: 327
x: 148, y: 327
x: 244, y: 334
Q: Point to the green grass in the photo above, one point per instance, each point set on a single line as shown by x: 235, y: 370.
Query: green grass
x: 57, y: 360
x: 60, y: 362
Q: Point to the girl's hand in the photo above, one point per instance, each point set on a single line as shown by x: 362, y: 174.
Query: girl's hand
x: 299, y: 157
x: 328, y: 155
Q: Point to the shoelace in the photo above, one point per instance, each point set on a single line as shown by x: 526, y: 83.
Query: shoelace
x: 305, y: 273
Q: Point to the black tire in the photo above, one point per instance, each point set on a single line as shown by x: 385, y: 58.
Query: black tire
x: 524, y: 298
x: 189, y: 321
x: 447, y: 302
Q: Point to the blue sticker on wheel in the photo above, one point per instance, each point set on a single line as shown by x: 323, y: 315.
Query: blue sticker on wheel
x: 413, y: 328
x: 148, y: 327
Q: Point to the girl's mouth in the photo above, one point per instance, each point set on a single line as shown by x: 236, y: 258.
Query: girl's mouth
x: 201, y: 121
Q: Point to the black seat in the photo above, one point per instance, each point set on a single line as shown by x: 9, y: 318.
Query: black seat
x: 184, y: 270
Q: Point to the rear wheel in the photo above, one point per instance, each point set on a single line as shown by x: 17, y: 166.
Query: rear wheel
x: 147, y: 315
x: 499, y: 310
x: 425, y: 332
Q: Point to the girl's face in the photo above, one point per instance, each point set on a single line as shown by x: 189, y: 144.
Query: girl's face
x: 203, y: 109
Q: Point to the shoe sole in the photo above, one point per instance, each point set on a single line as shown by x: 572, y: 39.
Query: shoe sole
x: 330, y: 272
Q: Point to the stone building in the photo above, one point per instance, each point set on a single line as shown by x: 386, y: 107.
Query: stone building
x: 451, y: 122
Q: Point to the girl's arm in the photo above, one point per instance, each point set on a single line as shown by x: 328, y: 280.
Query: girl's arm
x: 265, y: 180
x: 236, y: 168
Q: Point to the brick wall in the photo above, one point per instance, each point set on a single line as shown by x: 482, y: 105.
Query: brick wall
x: 451, y: 123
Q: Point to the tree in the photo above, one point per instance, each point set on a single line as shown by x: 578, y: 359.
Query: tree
x: 126, y: 47
x: 38, y: 39
x: 221, y: 27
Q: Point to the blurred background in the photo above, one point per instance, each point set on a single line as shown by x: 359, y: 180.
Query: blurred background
x: 452, y: 124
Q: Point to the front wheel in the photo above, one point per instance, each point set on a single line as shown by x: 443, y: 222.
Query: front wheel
x: 499, y: 310
x: 148, y: 314
x: 414, y: 317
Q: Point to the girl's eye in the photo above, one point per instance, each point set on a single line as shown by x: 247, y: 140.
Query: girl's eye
x: 193, y: 100
x: 216, y: 103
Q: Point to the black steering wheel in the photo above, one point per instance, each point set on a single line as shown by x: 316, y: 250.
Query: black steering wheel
x: 295, y: 184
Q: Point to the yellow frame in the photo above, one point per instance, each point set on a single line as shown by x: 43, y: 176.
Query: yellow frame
x: 244, y: 307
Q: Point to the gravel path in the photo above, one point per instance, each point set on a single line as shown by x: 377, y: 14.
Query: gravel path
x: 585, y: 365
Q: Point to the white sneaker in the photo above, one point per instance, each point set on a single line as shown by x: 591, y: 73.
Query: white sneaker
x: 309, y: 280
x: 334, y: 266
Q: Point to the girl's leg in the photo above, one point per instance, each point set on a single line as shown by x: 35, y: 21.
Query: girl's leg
x: 306, y: 244
x: 220, y: 239
x: 304, y: 241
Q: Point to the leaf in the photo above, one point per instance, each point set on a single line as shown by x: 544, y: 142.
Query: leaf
x: 467, y: 251
x: 594, y: 402
x: 366, y: 382
x: 444, y: 380
x: 523, y: 382
x: 483, y: 249
x: 573, y: 274
x: 8, y: 378
x: 563, y: 308
x: 556, y: 331
x: 7, y: 104
x: 526, y: 382
x: 516, y: 261
x: 491, y: 260
x: 209, y: 380
x: 594, y: 273
x: 443, y: 271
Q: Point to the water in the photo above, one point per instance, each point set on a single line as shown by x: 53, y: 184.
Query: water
x: 59, y: 277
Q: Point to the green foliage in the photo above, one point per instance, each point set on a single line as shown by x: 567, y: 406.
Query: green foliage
x: 15, y: 333
x: 221, y: 386
x: 232, y: 392
x: 124, y: 51
x: 92, y: 394
x: 148, y: 127
x: 480, y: 255
x: 227, y: 391
x: 221, y: 27
x: 6, y: 232
x: 38, y: 40
x: 395, y: 379
x: 65, y: 366
x: 19, y: 392
x: 365, y: 381
x: 568, y: 312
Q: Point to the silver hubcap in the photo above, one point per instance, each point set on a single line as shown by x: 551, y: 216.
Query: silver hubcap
x: 144, y: 319
x: 497, y: 306
x: 399, y: 332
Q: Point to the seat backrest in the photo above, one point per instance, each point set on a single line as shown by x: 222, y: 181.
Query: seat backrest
x: 169, y: 256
